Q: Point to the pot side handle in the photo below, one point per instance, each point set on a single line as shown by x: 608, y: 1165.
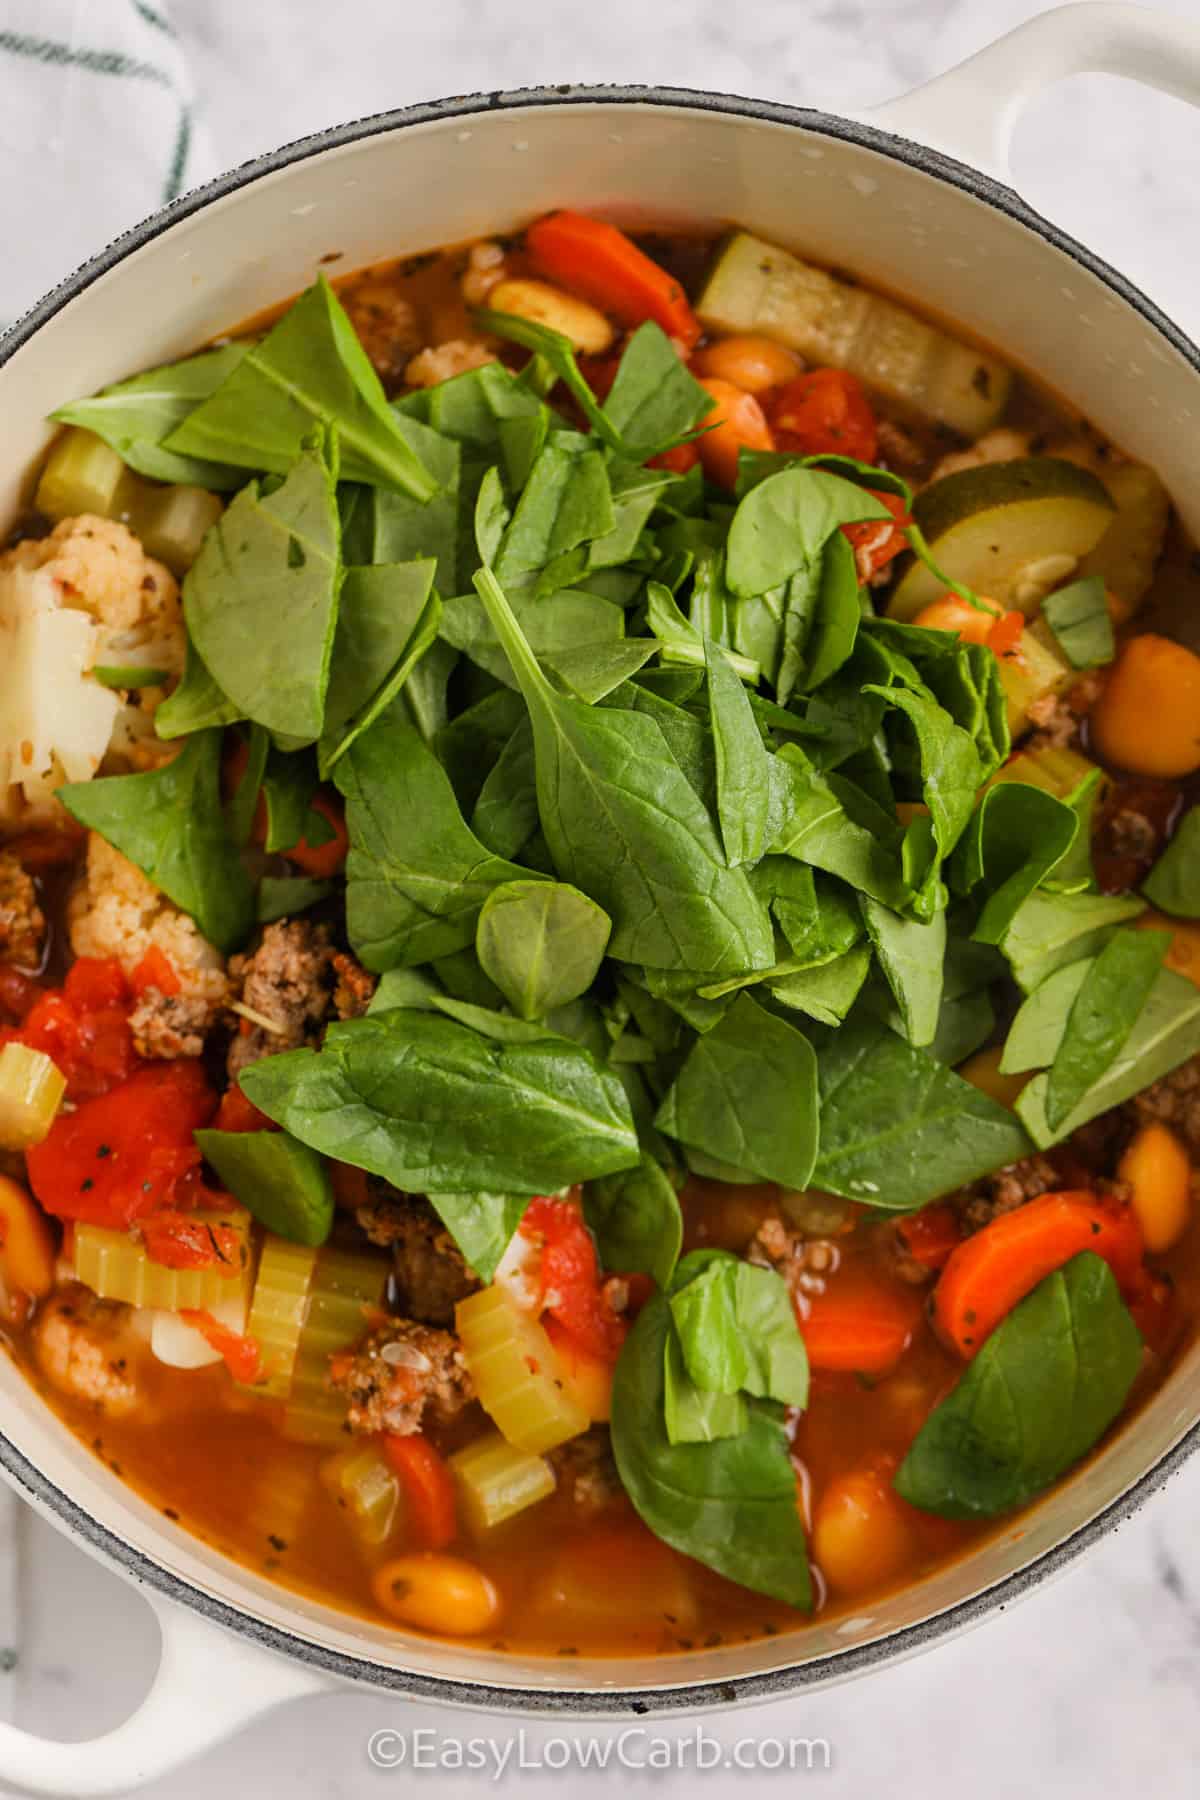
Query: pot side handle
x: 208, y: 1684
x: 970, y: 112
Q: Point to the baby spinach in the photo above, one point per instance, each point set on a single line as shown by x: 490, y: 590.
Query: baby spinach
x: 911, y: 953
x: 261, y: 598
x: 387, y: 619
x: 815, y: 827
x: 289, y: 784
x: 636, y: 1221
x: 1173, y: 884
x: 557, y: 624
x: 283, y: 896
x: 135, y: 416
x: 730, y: 1504
x: 284, y: 1184
x: 1103, y: 1013
x: 506, y: 815
x: 310, y: 369
x: 836, y: 619
x: 692, y: 1414
x: 951, y: 773
x: 169, y: 821
x: 654, y: 398
x: 784, y: 522
x: 416, y: 874
x: 1048, y: 930
x: 827, y: 990
x: 197, y: 703
x: 383, y: 525
x: 482, y: 1225
x: 737, y: 1328
x: 541, y: 942
x: 743, y: 765
x: 1045, y: 1387
x: 474, y: 407
x: 1165, y: 1034
x: 566, y: 501
x: 625, y: 827
x: 592, y: 671
x: 747, y: 1095
x: 1078, y: 616
x: 897, y: 1127
x: 1017, y: 836
x: 434, y: 1107
x: 1037, y: 1030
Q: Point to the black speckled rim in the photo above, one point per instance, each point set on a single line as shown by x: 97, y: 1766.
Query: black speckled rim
x: 700, y: 1694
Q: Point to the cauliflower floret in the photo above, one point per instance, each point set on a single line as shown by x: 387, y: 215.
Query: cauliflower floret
x: 113, y: 910
x: 86, y: 594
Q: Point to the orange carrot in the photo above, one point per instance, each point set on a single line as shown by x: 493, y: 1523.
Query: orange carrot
x: 952, y: 614
x: 864, y: 1328
x: 601, y: 264
x: 428, y: 1489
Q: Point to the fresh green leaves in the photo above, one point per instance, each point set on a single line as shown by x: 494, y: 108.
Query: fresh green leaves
x: 1079, y: 618
x: 1017, y: 837
x: 1173, y: 884
x: 169, y: 822
x: 911, y: 954
x: 284, y: 1184
x: 1048, y: 930
x: 135, y: 416
x: 435, y: 1107
x: 737, y: 1330
x: 1045, y: 1387
x: 1103, y: 1013
x: 482, y: 1225
x: 743, y: 764
x: 387, y: 618
x: 636, y: 1221
x: 783, y: 523
x: 747, y: 1096
x: 542, y: 943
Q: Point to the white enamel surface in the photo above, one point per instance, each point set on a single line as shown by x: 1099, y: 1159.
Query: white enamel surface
x: 437, y: 182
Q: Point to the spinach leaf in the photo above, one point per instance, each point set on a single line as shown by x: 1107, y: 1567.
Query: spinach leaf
x: 416, y: 874
x: 816, y: 828
x: 737, y: 1328
x: 1079, y: 618
x: 791, y: 640
x: 784, y: 523
x: 827, y: 990
x: 1103, y: 1013
x: 474, y: 407
x: 244, y: 803
x: 434, y: 1107
x: 387, y: 619
x: 1045, y: 1387
x: 565, y: 502
x: 1049, y: 930
x: 743, y: 765
x: 482, y: 1225
x: 625, y: 827
x: 310, y: 369
x: 284, y: 1184
x: 897, y: 1127
x: 635, y: 493
x: 382, y: 525
x: 654, y: 398
x: 557, y: 624
x: 197, y: 703
x: 837, y: 617
x: 1016, y: 837
x: 636, y: 1221
x: 284, y: 896
x: 1165, y: 1034
x: 820, y: 917
x: 747, y: 1095
x: 135, y: 416
x: 692, y: 1414
x: 542, y: 944
x: 417, y: 988
x: 506, y: 815
x: 289, y: 784
x: 1037, y: 1030
x: 730, y: 1504
x: 1173, y: 884
x: 424, y: 696
x: 951, y: 773
x: 593, y: 670
x: 261, y: 598
x: 911, y: 954
x: 170, y: 823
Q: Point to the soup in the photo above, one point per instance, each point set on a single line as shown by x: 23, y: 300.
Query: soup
x: 599, y: 966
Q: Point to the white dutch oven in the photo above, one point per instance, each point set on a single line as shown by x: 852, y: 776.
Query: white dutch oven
x: 938, y: 224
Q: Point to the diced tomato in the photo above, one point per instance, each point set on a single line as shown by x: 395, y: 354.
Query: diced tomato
x: 1005, y: 634
x: 241, y: 1355
x: 84, y: 1027
x: 679, y: 460
x: 824, y: 413
x: 930, y: 1235
x: 155, y: 971
x: 323, y: 860
x: 192, y: 1240
x: 19, y: 992
x: 572, y: 1292
x: 603, y: 265
x: 94, y: 982
x: 122, y: 1155
x: 350, y: 1189
x: 876, y: 541
x: 428, y: 1488
x: 236, y: 1113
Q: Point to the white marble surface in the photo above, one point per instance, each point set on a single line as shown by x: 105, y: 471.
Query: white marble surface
x: 1089, y: 1687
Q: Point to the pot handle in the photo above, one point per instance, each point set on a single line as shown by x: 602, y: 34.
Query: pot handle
x: 970, y: 111
x: 208, y: 1684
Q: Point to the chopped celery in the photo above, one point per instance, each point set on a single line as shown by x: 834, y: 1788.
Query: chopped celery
x: 360, y: 1481
x: 128, y: 675
x: 115, y: 1267
x: 496, y: 1481
x: 172, y: 522
x: 285, y: 1273
x: 83, y: 475
x: 31, y: 1086
x: 1036, y: 670
x: 514, y: 1369
x: 1056, y: 770
x: 345, y: 1287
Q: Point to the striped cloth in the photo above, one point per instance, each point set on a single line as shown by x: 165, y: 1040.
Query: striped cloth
x: 97, y: 129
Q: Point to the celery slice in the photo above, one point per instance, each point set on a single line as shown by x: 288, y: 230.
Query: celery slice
x: 345, y: 1286
x: 360, y: 1481
x: 31, y: 1087
x: 1036, y: 670
x: 277, y: 1314
x: 496, y: 1481
x: 172, y: 522
x: 1056, y: 769
x: 128, y: 675
x: 514, y: 1368
x: 115, y: 1267
x: 83, y: 475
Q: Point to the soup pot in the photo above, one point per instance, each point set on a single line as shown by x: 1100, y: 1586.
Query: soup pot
x: 913, y: 196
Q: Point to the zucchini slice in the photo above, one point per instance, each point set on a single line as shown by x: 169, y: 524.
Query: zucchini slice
x: 1000, y: 527
x: 1127, y: 555
x: 755, y: 286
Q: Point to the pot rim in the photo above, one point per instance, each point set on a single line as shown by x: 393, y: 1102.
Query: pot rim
x: 681, y: 1696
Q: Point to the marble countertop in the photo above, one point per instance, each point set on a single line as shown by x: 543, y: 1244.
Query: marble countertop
x: 1089, y: 1687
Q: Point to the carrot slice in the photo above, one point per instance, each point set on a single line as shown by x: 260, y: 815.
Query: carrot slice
x: 602, y: 265
x: 864, y: 1328
x: 991, y: 1272
x: 428, y: 1489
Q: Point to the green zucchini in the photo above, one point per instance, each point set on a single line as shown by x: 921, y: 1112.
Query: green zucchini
x: 755, y: 286
x: 1009, y: 530
x: 1127, y: 555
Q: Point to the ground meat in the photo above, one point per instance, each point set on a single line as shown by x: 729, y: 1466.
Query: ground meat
x: 1004, y: 1191
x: 355, y: 987
x: 443, y: 361
x: 585, y: 1470
x: 166, y: 1026
x: 899, y: 450
x: 1175, y: 1101
x: 22, y: 921
x: 804, y: 1262
x: 288, y: 981
x: 431, y: 1274
x: 1001, y: 445
x: 402, y: 1377
x: 1057, y: 718
x: 386, y: 324
x: 86, y: 1348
